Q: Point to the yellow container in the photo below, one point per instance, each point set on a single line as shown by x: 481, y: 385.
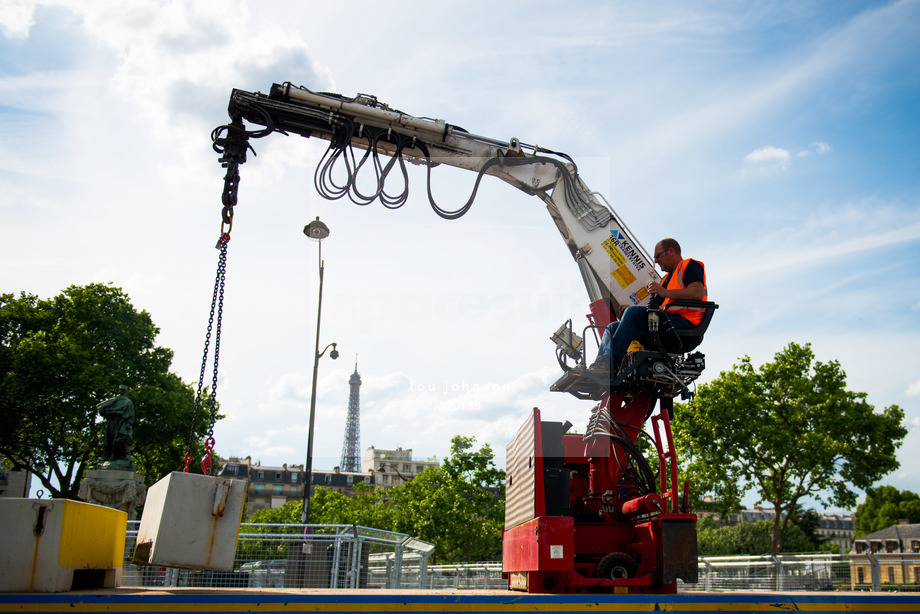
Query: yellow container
x: 56, y: 545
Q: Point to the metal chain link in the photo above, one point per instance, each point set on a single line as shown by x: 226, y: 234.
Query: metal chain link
x: 217, y: 306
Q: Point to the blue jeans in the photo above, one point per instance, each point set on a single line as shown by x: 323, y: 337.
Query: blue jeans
x: 633, y: 326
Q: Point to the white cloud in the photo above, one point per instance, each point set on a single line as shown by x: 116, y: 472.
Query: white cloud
x: 16, y: 18
x: 818, y: 147
x: 913, y: 390
x: 173, y: 61
x: 823, y: 236
x: 768, y: 155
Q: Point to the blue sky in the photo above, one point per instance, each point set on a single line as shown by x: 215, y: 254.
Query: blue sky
x: 776, y: 140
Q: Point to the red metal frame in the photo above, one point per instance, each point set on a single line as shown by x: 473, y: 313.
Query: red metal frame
x: 561, y: 554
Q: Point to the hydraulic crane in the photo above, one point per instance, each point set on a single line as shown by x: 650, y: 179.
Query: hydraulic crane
x: 583, y: 512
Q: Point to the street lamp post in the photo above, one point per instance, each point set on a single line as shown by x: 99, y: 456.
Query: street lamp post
x: 316, y: 231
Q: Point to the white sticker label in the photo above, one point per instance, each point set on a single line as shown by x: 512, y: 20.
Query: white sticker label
x: 555, y: 552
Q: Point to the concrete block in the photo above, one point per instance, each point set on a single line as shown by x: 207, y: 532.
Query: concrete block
x: 191, y: 521
x: 57, y: 545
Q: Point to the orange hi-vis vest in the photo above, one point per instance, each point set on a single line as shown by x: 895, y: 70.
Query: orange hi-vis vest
x: 674, y: 281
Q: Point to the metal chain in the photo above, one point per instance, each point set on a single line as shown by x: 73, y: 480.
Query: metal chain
x: 217, y: 305
x: 212, y: 406
x: 231, y: 141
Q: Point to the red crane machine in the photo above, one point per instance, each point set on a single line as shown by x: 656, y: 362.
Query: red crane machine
x: 598, y: 511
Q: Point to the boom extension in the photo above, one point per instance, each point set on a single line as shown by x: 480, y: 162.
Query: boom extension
x: 615, y: 266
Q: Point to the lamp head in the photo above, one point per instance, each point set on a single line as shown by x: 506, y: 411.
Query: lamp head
x: 316, y: 230
x: 334, y: 353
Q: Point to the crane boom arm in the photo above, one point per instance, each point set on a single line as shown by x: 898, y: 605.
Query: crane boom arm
x: 612, y: 263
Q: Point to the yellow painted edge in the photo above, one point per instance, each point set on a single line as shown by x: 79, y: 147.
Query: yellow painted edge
x: 280, y: 606
x: 92, y: 536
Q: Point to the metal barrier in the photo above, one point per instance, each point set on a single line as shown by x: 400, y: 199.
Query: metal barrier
x: 285, y: 556
x: 349, y: 556
x: 810, y: 572
x: 467, y: 576
x: 799, y: 572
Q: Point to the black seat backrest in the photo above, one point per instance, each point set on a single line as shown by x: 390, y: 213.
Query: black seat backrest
x: 688, y: 339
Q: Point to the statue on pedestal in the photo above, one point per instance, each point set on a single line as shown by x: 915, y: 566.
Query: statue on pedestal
x: 115, y: 482
x: 119, y: 430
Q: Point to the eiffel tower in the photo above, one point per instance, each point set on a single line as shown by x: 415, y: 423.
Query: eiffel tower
x: 351, y: 446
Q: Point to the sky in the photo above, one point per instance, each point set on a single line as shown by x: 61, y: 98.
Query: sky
x: 777, y: 141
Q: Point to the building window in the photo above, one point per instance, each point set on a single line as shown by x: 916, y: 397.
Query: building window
x: 860, y: 547
x: 328, y: 479
x: 261, y: 475
x: 278, y: 489
x: 889, y: 546
x: 860, y: 575
x: 260, y: 488
x: 295, y: 476
x: 891, y: 575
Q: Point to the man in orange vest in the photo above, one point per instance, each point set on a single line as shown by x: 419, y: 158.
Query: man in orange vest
x: 685, y: 279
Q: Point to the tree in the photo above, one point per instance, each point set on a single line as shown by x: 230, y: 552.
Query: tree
x: 459, y: 507
x: 59, y: 358
x: 885, y: 506
x: 808, y: 521
x: 747, y: 538
x: 250, y: 548
x: 367, y: 507
x: 787, y: 430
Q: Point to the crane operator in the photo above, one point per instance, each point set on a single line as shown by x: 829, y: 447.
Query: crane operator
x: 685, y: 279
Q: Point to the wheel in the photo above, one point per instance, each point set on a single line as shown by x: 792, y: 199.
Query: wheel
x: 616, y: 566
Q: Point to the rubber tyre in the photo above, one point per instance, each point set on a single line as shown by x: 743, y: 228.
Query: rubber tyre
x: 616, y: 566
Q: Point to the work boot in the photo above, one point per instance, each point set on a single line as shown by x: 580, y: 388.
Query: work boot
x: 599, y: 370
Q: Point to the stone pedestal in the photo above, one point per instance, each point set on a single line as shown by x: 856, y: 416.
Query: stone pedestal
x: 120, y: 490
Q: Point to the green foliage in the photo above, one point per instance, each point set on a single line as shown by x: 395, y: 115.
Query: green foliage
x: 808, y: 522
x: 459, y: 507
x: 885, y: 506
x: 289, y: 513
x: 368, y: 508
x: 787, y: 430
x: 59, y: 358
x: 250, y: 548
x: 747, y: 538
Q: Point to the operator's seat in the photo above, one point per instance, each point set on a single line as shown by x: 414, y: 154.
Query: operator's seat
x: 674, y: 341
x: 633, y: 374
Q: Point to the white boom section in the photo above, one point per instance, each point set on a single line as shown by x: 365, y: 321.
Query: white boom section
x: 613, y: 264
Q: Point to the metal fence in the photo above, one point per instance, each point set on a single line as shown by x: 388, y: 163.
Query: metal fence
x: 284, y: 556
x: 800, y: 572
x: 348, y: 556
x: 809, y: 572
